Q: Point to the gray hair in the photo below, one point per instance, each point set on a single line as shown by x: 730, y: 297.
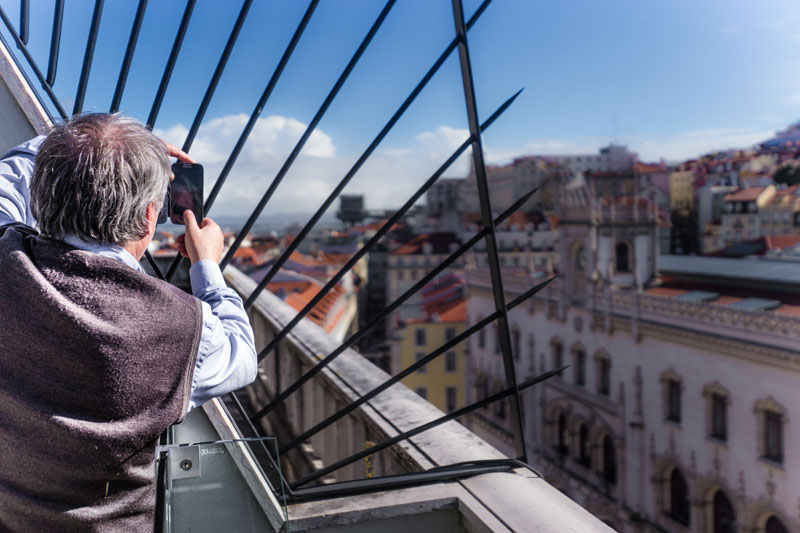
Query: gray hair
x: 94, y: 177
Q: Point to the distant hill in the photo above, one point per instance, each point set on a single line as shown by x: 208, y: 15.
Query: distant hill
x: 266, y: 222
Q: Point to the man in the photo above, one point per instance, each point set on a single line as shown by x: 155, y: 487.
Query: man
x: 96, y: 357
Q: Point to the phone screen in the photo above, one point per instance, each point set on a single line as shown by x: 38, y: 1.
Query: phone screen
x: 186, y: 192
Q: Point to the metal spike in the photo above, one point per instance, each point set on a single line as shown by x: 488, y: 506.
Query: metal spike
x: 55, y: 42
x: 439, y: 421
x: 88, y: 56
x: 237, y: 149
x: 306, y: 134
x: 128, y: 58
x: 173, y: 57
x: 378, y: 318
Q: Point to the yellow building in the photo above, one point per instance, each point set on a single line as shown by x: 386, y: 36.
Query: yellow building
x: 740, y: 221
x: 441, y: 382
x: 681, y: 191
x: 781, y: 215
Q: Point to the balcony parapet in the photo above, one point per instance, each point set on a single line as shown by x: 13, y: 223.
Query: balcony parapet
x: 517, y: 500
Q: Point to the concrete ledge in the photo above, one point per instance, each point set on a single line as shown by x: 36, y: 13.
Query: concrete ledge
x: 514, y: 501
x: 21, y: 113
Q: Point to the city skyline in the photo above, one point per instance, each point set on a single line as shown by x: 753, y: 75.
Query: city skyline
x: 668, y: 82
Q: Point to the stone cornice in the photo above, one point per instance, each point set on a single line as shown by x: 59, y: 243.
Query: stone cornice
x: 764, y: 324
x: 22, y: 92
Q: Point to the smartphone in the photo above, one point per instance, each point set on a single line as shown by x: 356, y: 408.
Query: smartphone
x: 186, y: 191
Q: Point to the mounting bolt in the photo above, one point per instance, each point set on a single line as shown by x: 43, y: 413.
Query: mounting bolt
x: 186, y: 465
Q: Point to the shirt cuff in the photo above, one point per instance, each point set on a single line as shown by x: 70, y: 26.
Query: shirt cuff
x: 204, y: 274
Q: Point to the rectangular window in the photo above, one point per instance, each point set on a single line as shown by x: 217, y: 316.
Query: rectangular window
x: 482, y: 386
x: 773, y: 436
x: 604, y: 376
x: 558, y: 351
x: 580, y: 367
x: 449, y: 334
x: 500, y: 408
x: 423, y: 392
x: 719, y: 423
x: 450, y: 398
x: 450, y: 362
x: 674, y: 400
x: 419, y: 337
x: 424, y: 368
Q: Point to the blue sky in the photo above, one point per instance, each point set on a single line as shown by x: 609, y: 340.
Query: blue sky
x: 670, y: 79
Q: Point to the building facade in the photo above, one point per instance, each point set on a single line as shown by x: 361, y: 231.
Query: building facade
x: 741, y: 220
x: 442, y: 382
x: 675, y: 411
x: 781, y: 215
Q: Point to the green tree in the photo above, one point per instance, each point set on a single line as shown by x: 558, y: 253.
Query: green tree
x: 788, y: 173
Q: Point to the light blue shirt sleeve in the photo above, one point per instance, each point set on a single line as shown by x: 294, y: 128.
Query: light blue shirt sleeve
x: 226, y: 357
x: 16, y: 170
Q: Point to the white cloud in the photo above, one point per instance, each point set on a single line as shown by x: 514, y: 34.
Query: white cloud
x: 270, y: 143
x: 690, y: 144
x: 390, y: 176
x: 794, y: 99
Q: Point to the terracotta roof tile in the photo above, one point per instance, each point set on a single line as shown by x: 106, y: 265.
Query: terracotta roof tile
x: 745, y: 195
x: 666, y: 291
x: 726, y: 300
x: 793, y: 310
x: 779, y: 242
x: 440, y: 242
x: 457, y: 313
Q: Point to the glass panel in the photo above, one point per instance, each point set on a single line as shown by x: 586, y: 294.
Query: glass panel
x: 220, y: 486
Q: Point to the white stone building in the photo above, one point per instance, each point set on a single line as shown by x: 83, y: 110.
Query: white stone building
x: 444, y: 207
x: 508, y: 183
x: 612, y: 158
x: 676, y: 412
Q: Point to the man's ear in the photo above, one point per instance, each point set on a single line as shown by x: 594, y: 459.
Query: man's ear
x: 152, y: 217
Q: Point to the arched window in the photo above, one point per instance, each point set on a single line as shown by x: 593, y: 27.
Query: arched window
x: 563, y: 435
x: 609, y: 460
x: 678, y: 497
x: 774, y: 525
x: 584, y: 446
x: 623, y: 263
x: 724, y: 515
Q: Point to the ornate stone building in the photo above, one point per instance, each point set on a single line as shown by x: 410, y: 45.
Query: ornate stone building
x: 676, y: 411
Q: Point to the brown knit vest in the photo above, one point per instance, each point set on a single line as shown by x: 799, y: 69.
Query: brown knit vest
x: 96, y: 361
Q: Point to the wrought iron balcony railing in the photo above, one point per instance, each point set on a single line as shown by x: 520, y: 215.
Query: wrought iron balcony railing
x: 300, y: 489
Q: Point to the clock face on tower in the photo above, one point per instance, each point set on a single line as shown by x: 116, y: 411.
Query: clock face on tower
x: 581, y: 260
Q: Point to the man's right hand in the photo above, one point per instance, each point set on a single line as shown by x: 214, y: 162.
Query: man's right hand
x: 201, y: 242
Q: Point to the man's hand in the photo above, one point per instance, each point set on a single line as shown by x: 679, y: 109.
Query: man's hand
x: 180, y: 155
x: 200, y: 242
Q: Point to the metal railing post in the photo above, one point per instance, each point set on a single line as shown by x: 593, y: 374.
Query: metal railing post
x: 491, y: 240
